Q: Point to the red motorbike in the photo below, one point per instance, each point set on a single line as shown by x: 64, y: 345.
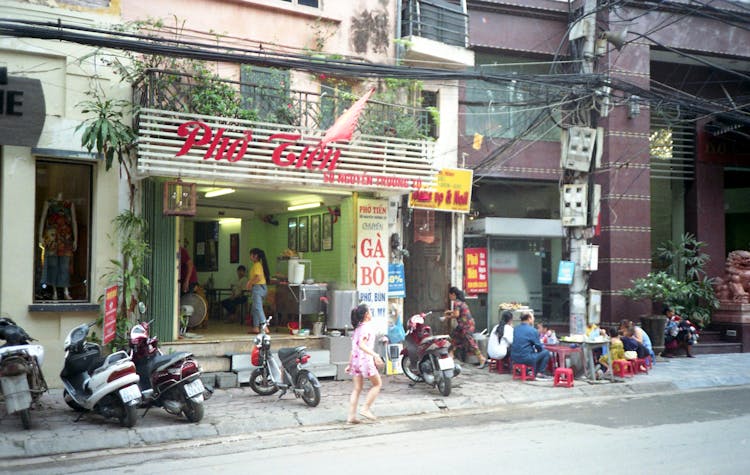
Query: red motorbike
x: 170, y: 381
x: 426, y: 357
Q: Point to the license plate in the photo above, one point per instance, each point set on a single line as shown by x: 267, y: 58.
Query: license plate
x: 446, y: 363
x: 130, y: 393
x: 194, y: 388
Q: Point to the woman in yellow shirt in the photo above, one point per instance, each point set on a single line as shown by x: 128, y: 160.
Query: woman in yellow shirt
x: 259, y: 277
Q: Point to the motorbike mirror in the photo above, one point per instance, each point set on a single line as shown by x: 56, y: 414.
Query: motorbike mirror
x: 141, y: 308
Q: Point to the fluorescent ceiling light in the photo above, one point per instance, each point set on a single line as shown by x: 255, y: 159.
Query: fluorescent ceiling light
x: 316, y: 204
x: 219, y: 192
x: 230, y: 220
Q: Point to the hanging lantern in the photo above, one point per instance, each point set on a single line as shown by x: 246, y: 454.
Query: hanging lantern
x: 180, y: 199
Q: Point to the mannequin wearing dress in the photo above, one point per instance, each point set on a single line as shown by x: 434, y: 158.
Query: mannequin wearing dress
x: 58, y: 234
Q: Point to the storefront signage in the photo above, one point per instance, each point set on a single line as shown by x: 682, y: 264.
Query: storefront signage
x: 177, y: 144
x: 475, y: 270
x: 110, y: 314
x: 452, y: 192
x: 372, y: 259
x: 565, y: 272
x: 396, y: 281
x: 22, y: 112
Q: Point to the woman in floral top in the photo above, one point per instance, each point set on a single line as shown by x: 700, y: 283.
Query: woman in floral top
x: 463, y: 334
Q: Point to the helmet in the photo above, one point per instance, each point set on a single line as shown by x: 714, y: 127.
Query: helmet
x: 416, y: 320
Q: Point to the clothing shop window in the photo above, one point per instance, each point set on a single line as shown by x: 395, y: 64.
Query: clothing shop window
x: 63, y: 226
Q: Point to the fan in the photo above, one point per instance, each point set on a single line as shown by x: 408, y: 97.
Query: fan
x: 195, y: 308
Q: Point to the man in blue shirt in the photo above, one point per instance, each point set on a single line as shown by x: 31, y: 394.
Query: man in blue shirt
x: 527, y: 349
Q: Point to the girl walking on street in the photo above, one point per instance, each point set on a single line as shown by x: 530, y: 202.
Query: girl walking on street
x: 363, y: 363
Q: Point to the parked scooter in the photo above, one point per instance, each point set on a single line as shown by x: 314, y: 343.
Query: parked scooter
x: 170, y: 381
x: 107, y: 385
x: 21, y: 379
x: 268, y: 378
x: 426, y: 357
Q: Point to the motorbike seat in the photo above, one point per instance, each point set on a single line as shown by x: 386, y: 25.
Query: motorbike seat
x: 286, y: 353
x: 162, y: 362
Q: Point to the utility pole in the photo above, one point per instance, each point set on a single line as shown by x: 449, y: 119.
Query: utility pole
x: 578, y: 145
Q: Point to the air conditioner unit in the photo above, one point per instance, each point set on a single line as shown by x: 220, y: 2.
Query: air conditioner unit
x: 573, y: 205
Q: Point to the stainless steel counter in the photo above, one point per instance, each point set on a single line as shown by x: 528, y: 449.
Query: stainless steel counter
x: 295, y: 300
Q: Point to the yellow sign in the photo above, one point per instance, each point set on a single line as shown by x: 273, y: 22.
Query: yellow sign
x: 477, y: 141
x: 452, y: 192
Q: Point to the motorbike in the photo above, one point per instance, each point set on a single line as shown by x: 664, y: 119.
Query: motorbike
x: 170, y: 381
x: 426, y: 357
x: 106, y: 385
x: 268, y: 378
x: 21, y: 379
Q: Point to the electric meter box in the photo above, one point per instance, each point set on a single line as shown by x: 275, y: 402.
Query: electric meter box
x: 595, y: 306
x: 573, y: 205
x: 577, y: 148
x: 589, y: 257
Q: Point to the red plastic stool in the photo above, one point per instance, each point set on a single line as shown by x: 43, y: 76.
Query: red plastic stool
x: 564, y: 377
x: 639, y: 363
x: 523, y: 372
x: 500, y: 366
x: 622, y: 368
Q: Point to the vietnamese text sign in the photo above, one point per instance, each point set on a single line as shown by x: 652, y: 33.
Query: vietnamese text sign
x: 396, y: 281
x: 372, y: 259
x: 452, y: 192
x: 565, y: 272
x: 110, y: 314
x: 475, y: 270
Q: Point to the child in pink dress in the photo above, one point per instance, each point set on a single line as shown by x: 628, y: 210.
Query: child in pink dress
x: 363, y: 363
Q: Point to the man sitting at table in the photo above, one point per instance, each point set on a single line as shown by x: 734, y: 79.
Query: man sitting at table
x: 238, y: 297
x: 527, y: 349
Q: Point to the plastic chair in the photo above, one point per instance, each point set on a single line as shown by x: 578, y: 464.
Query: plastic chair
x: 564, y: 377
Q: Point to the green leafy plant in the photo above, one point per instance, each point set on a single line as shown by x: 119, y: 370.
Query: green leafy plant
x: 128, y: 272
x: 682, y: 283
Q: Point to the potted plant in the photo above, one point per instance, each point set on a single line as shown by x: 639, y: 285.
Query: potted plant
x: 682, y: 284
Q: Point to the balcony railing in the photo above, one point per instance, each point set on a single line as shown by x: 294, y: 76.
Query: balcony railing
x: 181, y: 92
x: 437, y: 20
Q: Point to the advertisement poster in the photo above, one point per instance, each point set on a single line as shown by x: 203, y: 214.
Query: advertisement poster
x: 565, y: 272
x: 396, y: 281
x: 372, y: 259
x: 475, y: 270
x: 452, y: 192
x: 110, y: 314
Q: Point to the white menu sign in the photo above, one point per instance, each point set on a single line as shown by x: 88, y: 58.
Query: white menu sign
x: 372, y: 259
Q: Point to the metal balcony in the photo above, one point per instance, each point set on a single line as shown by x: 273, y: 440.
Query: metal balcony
x: 437, y: 34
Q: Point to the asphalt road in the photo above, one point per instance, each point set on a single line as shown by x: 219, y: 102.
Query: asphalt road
x: 691, y: 432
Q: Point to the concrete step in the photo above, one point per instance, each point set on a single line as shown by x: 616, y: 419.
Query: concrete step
x: 319, y: 364
x: 716, y: 348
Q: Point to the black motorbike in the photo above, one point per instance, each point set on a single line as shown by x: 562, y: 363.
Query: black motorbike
x: 268, y: 378
x: 426, y: 357
x: 21, y: 379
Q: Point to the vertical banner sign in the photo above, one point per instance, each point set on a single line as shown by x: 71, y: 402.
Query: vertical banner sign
x: 373, y: 260
x: 110, y: 314
x: 475, y: 270
x: 396, y: 281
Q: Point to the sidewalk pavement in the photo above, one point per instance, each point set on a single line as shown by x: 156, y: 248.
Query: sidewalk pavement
x: 238, y: 411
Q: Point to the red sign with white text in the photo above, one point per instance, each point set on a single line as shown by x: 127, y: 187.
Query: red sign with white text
x: 475, y: 270
x: 110, y: 314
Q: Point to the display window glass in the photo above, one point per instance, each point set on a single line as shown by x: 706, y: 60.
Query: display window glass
x: 62, y: 231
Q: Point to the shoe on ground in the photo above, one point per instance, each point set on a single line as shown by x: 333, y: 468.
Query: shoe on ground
x: 543, y: 376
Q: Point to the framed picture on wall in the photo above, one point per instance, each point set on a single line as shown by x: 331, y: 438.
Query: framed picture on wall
x: 234, y: 248
x: 291, y: 242
x: 326, y: 232
x: 315, y: 233
x: 303, y: 232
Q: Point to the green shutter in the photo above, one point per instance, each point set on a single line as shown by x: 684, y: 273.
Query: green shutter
x: 161, y: 267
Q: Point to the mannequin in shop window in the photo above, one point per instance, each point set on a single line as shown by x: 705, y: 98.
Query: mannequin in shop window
x: 58, y: 235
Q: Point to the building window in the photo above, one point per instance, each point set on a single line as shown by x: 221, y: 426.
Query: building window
x: 267, y: 91
x: 63, y: 231
x: 335, y: 98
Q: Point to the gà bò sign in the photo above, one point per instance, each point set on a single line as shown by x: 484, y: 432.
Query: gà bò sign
x: 215, y: 148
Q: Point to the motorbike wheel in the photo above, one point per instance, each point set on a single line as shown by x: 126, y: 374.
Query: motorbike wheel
x: 311, y: 392
x: 193, y: 410
x: 129, y: 415
x: 443, y: 384
x: 71, y: 402
x: 25, y: 418
x: 260, y: 382
x: 405, y: 367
